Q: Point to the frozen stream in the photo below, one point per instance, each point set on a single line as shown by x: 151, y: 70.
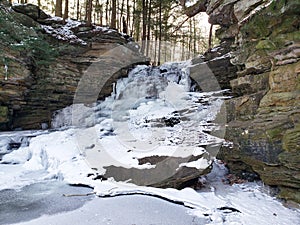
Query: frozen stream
x: 152, y: 130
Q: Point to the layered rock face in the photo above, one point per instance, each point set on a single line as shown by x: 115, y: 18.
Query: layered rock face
x: 264, y: 115
x: 258, y: 60
x: 39, y: 78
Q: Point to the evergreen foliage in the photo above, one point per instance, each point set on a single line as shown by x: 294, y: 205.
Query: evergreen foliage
x: 16, y: 36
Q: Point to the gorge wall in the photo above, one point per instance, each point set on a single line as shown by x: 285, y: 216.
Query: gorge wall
x: 264, y: 115
x: 258, y: 59
x: 43, y: 59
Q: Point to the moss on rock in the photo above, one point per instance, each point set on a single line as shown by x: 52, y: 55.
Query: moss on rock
x: 4, y: 114
x: 290, y: 194
x: 291, y: 140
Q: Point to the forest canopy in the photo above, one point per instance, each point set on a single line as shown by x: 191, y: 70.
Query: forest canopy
x: 155, y: 24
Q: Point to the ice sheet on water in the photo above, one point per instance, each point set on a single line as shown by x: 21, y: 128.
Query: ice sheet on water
x: 56, y: 155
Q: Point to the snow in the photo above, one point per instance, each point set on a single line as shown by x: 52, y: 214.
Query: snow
x: 67, y: 116
x: 256, y: 10
x: 213, y: 207
x: 126, y: 127
x: 124, y: 210
x: 198, y: 164
x: 63, y: 33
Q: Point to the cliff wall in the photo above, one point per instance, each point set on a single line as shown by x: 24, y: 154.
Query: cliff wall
x: 264, y: 114
x: 44, y: 59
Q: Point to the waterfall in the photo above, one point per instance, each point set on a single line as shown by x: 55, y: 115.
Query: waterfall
x: 151, y: 133
x: 152, y: 122
x: 152, y: 112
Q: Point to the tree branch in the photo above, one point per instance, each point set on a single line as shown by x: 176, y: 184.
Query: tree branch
x: 180, y: 25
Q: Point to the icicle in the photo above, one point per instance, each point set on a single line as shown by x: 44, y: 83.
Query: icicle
x: 6, y: 73
x: 114, y: 93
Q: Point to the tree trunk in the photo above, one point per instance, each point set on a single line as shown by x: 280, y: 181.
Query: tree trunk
x: 121, y: 20
x: 125, y: 30
x: 77, y: 10
x: 113, y: 23
x: 99, y: 12
x: 137, y: 20
x: 195, y: 36
x: 128, y: 16
x: 144, y: 26
x: 155, y: 45
x: 89, y: 12
x: 149, y: 27
x: 160, y: 33
x: 106, y: 12
x: 183, y: 49
x: 190, y: 39
x: 66, y: 14
x: 133, y: 18
x: 58, y: 8
x: 210, y: 37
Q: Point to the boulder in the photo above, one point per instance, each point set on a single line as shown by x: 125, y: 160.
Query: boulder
x: 31, y: 10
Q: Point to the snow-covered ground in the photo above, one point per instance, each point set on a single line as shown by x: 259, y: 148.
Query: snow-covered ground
x: 150, y: 113
x: 218, y: 204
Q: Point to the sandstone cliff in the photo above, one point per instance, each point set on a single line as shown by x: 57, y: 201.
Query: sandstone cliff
x: 264, y: 115
x: 43, y: 59
x: 258, y: 60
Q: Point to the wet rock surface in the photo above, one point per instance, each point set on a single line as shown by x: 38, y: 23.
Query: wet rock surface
x: 39, y: 199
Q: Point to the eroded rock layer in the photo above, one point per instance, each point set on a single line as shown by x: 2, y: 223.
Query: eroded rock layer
x: 43, y: 63
x: 264, y: 115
